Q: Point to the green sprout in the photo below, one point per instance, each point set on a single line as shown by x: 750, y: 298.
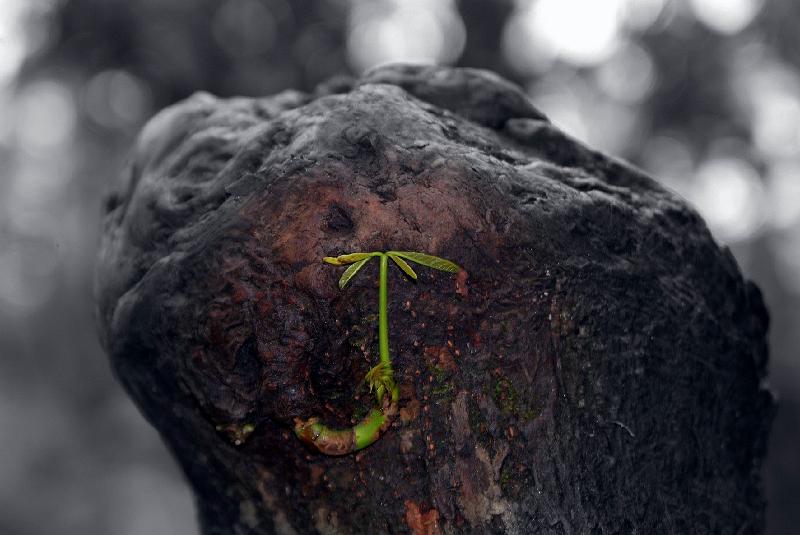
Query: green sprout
x: 380, y: 378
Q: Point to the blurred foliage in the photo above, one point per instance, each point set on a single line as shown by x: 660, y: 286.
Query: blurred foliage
x: 703, y: 94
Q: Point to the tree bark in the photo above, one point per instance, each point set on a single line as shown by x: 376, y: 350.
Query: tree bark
x: 596, y: 368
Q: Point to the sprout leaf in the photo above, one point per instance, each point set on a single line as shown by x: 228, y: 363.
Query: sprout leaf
x: 403, y: 265
x: 351, y: 271
x: 429, y: 261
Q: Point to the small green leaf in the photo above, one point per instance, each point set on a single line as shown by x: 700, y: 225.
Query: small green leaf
x: 351, y: 271
x: 352, y: 257
x: 403, y: 265
x: 429, y: 260
x: 344, y: 259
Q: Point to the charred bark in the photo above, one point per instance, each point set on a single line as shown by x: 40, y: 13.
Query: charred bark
x: 597, y: 368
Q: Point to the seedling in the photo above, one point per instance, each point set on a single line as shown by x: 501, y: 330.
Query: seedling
x: 380, y: 378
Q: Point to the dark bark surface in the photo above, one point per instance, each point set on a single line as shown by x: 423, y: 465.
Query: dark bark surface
x: 598, y: 371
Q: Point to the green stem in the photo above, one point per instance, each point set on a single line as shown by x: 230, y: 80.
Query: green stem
x: 383, y: 311
x: 383, y: 333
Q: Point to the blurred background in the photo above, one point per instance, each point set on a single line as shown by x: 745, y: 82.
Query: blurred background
x: 703, y: 94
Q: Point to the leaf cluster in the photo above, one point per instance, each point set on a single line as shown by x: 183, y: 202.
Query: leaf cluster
x: 356, y: 261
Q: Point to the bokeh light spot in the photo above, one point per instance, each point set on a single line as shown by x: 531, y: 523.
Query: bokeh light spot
x: 12, y: 52
x: 12, y: 38
x: 584, y: 112
x: 629, y: 75
x: 725, y: 16
x: 46, y: 116
x: 420, y: 31
x: 525, y: 51
x: 116, y: 99
x: 581, y: 32
x: 728, y: 193
x: 768, y: 90
x: 559, y: 97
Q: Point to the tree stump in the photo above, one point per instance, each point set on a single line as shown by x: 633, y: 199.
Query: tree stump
x: 597, y: 367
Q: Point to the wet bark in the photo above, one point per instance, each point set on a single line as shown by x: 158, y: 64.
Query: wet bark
x: 597, y: 367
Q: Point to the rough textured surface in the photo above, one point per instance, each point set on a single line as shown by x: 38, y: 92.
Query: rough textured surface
x: 599, y: 371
